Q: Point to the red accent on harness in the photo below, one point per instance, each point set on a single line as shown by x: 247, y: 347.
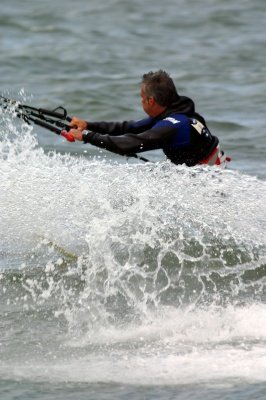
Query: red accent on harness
x: 220, y: 157
x: 206, y: 160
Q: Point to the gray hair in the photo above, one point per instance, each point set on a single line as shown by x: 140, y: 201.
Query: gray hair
x: 160, y: 85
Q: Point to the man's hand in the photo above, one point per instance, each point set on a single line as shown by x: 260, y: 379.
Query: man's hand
x: 78, y: 124
x: 76, y: 133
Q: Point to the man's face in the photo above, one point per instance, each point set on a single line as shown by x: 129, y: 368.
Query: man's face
x: 146, y: 101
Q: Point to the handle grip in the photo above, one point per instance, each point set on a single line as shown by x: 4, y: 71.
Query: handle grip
x: 67, y: 136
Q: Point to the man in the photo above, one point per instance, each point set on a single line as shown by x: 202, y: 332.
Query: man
x: 172, y: 125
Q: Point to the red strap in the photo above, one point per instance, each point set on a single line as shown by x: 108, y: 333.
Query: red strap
x: 206, y: 160
x: 220, y: 157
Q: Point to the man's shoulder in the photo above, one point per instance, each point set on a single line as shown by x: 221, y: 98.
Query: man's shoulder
x: 174, y: 119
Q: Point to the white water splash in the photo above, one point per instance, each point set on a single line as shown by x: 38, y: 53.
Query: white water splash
x: 156, y: 272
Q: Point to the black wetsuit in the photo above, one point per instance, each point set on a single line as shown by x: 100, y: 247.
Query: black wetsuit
x: 173, y: 131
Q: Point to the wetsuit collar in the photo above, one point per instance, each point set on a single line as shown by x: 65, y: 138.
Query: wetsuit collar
x: 182, y: 105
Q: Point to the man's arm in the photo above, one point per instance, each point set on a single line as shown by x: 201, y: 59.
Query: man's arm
x: 120, y: 128
x: 130, y: 143
x: 113, y: 128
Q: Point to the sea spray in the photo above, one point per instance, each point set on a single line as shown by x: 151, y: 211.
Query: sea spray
x: 116, y: 272
x: 100, y: 246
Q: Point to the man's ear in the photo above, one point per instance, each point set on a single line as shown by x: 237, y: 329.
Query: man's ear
x: 151, y: 101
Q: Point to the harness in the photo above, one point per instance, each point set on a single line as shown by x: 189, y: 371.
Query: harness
x: 201, y: 142
x: 201, y: 129
x: 217, y: 156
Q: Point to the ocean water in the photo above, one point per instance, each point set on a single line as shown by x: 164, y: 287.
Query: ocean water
x: 121, y: 279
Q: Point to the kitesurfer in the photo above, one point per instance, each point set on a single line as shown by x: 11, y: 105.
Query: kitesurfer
x: 172, y: 125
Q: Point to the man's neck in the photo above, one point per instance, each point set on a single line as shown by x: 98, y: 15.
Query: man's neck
x: 157, y: 110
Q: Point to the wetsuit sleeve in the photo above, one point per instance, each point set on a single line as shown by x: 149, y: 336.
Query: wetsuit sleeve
x: 131, y: 142
x: 120, y: 128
